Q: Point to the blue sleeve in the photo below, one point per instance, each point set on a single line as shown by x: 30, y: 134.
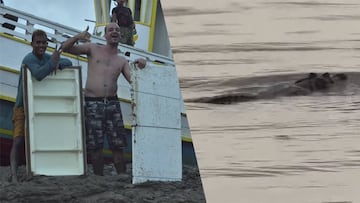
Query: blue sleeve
x: 64, y: 62
x: 38, y: 71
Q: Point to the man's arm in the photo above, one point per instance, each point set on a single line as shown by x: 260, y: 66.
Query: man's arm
x: 39, y: 72
x: 64, y: 62
x: 126, y: 72
x: 140, y: 62
x: 68, y: 45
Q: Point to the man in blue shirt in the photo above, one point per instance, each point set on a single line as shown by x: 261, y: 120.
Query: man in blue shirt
x: 40, y: 64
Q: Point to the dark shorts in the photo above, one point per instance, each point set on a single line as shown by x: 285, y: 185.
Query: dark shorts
x: 104, y: 119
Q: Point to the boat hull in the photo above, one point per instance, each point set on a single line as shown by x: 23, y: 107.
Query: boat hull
x: 6, y: 136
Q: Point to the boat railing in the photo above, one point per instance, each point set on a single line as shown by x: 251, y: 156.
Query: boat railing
x: 23, y: 24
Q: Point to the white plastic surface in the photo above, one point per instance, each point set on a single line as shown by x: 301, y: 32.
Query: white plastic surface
x: 156, y: 140
x: 55, y: 124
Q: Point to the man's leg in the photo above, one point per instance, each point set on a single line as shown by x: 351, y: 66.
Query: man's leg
x: 16, y: 150
x: 94, y: 135
x: 97, y: 161
x: 115, y: 135
x: 119, y: 161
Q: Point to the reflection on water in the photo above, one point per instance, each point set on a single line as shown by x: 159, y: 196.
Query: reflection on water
x: 302, y: 149
x: 300, y: 145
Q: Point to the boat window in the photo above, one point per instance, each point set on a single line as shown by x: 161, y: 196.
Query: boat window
x: 142, y: 10
x: 137, y: 10
x: 101, y: 12
x: 11, y: 17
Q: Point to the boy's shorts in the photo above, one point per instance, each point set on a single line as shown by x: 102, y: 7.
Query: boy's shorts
x: 19, y: 121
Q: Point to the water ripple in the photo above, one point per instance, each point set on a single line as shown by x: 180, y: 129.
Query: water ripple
x: 238, y: 170
x: 258, y: 47
x: 333, y: 17
x: 308, y: 3
x: 187, y: 11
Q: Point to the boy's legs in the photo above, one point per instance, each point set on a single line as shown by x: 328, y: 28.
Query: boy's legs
x: 16, y: 151
x: 18, y: 141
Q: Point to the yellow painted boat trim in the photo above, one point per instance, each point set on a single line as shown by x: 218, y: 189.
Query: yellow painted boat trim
x: 104, y: 14
x: 132, y: 6
x: 108, y: 152
x: 125, y: 100
x: 15, y: 39
x: 186, y: 139
x: 142, y: 23
x: 152, y: 26
x: 127, y: 126
x: 146, y: 12
x: 7, y: 69
x: 6, y: 132
x: 6, y: 98
x: 81, y: 58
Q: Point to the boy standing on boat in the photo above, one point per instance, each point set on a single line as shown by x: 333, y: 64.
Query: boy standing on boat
x: 123, y: 17
x: 102, y: 107
x: 41, y: 65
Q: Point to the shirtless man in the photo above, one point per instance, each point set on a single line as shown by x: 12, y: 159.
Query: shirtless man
x: 102, y: 107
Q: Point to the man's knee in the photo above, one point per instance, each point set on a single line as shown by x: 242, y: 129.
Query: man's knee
x: 18, y: 141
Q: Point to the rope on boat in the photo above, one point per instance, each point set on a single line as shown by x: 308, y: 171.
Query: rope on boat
x: 134, y: 94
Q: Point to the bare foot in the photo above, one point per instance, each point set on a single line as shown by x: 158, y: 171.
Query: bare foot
x: 13, y: 179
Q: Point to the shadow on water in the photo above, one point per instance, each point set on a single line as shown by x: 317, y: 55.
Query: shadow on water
x: 269, y: 87
x: 240, y: 170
